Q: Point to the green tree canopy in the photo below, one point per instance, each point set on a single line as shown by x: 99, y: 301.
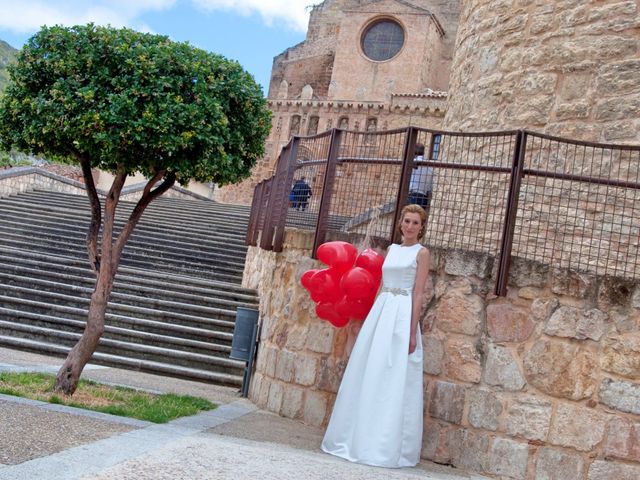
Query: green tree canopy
x: 137, y: 101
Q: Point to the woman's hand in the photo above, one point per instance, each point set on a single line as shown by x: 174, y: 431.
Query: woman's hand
x: 412, y: 344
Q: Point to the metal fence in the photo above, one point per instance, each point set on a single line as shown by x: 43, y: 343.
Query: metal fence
x: 561, y: 202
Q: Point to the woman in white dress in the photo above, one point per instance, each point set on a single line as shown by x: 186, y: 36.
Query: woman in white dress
x: 377, y: 416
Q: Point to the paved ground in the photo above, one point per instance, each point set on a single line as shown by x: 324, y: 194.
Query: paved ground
x: 236, y: 441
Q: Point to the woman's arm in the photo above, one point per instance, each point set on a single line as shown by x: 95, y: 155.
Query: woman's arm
x: 418, y: 294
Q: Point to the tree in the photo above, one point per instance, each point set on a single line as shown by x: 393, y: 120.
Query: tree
x: 126, y: 102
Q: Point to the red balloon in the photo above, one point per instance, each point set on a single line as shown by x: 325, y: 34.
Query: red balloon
x: 324, y: 286
x: 340, y: 322
x: 306, y: 278
x: 371, y: 261
x: 359, y: 284
x: 327, y: 311
x: 360, y: 309
x: 338, y: 255
x: 343, y: 306
x: 354, y: 309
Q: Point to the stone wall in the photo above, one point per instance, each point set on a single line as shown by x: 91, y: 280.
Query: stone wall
x: 541, y: 384
x: 24, y: 179
x: 568, y: 68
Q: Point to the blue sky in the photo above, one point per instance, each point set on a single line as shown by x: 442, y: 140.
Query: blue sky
x: 250, y: 31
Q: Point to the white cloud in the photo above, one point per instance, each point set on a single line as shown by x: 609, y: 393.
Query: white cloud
x: 295, y: 13
x: 29, y: 15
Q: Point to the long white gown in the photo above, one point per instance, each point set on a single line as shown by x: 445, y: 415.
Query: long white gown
x: 377, y: 416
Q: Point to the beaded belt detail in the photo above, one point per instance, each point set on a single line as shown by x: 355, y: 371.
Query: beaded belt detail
x: 395, y: 291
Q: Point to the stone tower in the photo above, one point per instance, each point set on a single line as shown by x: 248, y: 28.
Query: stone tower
x: 568, y: 68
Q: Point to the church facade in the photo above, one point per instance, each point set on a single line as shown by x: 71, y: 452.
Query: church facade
x: 365, y: 65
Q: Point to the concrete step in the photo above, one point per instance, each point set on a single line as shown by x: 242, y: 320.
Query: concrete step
x: 161, y: 282
x: 134, y: 249
x: 183, y: 206
x: 78, y: 313
x: 221, y: 273
x: 80, y: 220
x: 225, y: 222
x: 26, y: 276
x: 142, y: 331
x: 119, y: 361
x: 195, y: 318
x: 69, y: 292
x: 131, y: 350
x: 173, y: 307
x: 50, y: 228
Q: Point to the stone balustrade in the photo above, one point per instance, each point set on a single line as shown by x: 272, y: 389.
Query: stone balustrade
x: 543, y: 383
x: 23, y: 179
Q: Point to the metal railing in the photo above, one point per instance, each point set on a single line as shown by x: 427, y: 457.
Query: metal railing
x: 561, y: 202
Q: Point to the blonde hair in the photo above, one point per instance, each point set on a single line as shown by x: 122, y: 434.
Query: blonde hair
x: 413, y: 208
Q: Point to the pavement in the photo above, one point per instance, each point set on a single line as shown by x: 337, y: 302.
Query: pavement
x: 236, y: 441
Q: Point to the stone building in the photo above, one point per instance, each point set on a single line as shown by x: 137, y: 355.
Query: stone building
x: 543, y: 383
x: 366, y: 65
x: 567, y: 68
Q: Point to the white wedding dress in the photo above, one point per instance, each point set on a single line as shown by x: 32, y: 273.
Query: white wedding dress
x: 377, y: 416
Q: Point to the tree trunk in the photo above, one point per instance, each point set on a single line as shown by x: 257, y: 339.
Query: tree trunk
x: 106, y: 265
x: 81, y: 353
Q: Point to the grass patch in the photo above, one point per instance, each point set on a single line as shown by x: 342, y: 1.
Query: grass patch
x: 122, y: 401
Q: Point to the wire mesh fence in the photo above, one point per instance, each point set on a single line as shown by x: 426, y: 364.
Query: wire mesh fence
x: 560, y: 202
x: 307, y: 181
x: 470, y: 186
x: 579, y: 206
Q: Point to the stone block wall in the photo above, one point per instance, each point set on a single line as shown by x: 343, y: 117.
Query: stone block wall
x: 24, y: 179
x: 541, y: 384
x: 568, y: 68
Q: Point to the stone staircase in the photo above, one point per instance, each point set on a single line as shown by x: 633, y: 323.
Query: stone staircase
x: 175, y: 296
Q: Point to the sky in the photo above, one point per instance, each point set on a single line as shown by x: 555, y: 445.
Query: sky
x: 249, y: 31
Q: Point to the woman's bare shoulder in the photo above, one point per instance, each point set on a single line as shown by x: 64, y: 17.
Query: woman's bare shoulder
x: 424, y: 253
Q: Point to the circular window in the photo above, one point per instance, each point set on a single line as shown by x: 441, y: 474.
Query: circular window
x: 382, y: 40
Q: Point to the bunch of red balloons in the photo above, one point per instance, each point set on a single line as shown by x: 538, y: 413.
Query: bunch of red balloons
x: 347, y: 289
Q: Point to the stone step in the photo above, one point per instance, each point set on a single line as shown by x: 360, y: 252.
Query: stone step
x: 135, y: 248
x: 116, y: 319
x: 124, y: 362
x: 33, y: 276
x: 226, y: 222
x: 165, y: 232
x: 68, y: 292
x: 194, y: 318
x: 173, y: 307
x: 221, y: 273
x: 51, y: 228
x: 131, y: 350
x: 80, y: 220
x: 138, y: 279
x: 186, y: 206
x: 142, y: 331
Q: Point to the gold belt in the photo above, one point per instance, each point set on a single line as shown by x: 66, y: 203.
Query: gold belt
x: 395, y: 291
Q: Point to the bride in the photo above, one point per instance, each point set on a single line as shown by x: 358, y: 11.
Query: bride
x: 377, y: 416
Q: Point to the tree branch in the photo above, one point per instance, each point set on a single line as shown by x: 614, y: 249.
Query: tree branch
x: 96, y: 213
x: 148, y: 196
x: 113, y: 197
